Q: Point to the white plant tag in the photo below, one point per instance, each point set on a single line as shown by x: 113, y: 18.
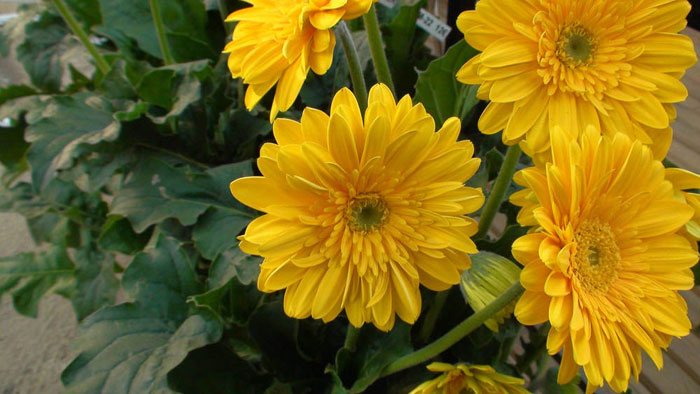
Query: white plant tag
x: 427, y: 21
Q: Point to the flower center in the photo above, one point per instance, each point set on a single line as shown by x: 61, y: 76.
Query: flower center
x: 597, y: 256
x: 367, y: 213
x: 575, y: 46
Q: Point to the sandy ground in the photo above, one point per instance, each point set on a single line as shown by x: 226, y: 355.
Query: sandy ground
x: 33, y: 351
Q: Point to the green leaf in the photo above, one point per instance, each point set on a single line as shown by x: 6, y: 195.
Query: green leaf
x: 376, y: 350
x: 438, y: 89
x: 405, y: 45
x: 274, y: 333
x: 163, y: 276
x: 551, y: 385
x: 13, y: 148
x: 162, y: 188
x: 63, y: 128
x: 15, y: 91
x: 215, y: 370
x: 132, y: 347
x: 242, y: 133
x: 185, y: 23
x: 32, y: 275
x: 47, y: 51
x: 96, y: 284
x: 86, y: 11
x: 233, y: 264
x: 117, y: 235
x: 174, y: 88
x: 217, y: 229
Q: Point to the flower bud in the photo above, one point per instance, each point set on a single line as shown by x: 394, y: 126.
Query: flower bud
x: 489, y: 276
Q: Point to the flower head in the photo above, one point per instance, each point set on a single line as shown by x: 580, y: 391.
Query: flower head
x: 611, y: 64
x: 687, y: 185
x: 360, y: 211
x: 277, y: 42
x: 489, y: 277
x: 463, y: 378
x: 605, y: 258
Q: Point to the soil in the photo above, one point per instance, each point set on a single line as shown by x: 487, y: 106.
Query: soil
x: 34, y: 351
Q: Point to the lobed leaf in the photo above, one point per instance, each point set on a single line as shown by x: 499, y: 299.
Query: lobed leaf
x: 438, y: 89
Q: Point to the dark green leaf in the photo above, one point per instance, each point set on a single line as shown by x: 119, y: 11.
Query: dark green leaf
x: 233, y: 264
x: 185, y: 23
x: 215, y: 370
x: 551, y: 385
x: 376, y: 350
x: 48, y: 49
x: 163, y: 276
x: 242, y: 133
x: 15, y: 91
x: 96, y: 284
x: 405, y: 45
x: 13, y: 148
x: 438, y: 89
x: 132, y: 347
x: 159, y: 190
x: 217, y: 229
x: 86, y: 11
x: 59, y: 133
x: 32, y: 275
x: 273, y: 332
x: 117, y: 235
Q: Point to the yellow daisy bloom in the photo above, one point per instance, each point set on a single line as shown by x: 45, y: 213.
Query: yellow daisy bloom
x: 360, y: 211
x: 611, y: 64
x: 605, y: 259
x: 277, y: 42
x: 463, y: 378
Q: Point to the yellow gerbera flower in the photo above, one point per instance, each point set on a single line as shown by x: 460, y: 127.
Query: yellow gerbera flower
x: 611, y: 64
x: 605, y: 259
x: 277, y: 42
x: 360, y: 212
x: 686, y: 184
x: 462, y: 378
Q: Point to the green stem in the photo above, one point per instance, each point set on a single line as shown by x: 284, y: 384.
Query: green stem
x: 160, y: 31
x: 500, y: 186
x: 376, y: 47
x: 358, y: 79
x: 431, y: 317
x: 351, y: 338
x: 77, y: 29
x: 456, y: 334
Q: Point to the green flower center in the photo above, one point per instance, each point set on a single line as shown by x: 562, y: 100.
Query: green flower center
x: 576, y: 46
x: 367, y: 213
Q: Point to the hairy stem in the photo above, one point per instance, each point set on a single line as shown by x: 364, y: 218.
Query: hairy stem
x: 160, y: 31
x: 376, y: 47
x: 358, y: 79
x: 351, y: 338
x: 78, y: 30
x: 456, y: 334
